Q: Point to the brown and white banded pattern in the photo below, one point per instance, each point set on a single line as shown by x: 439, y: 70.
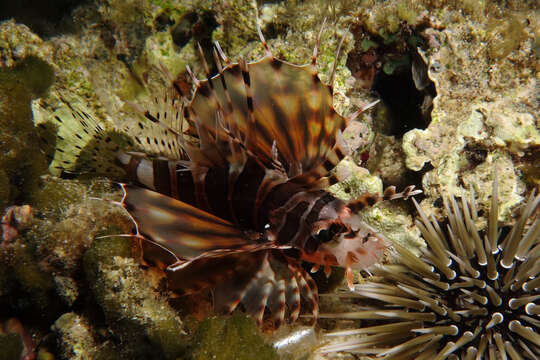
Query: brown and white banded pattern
x: 235, y: 199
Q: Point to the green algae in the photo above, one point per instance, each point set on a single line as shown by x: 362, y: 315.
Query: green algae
x: 42, y: 265
x: 55, y: 195
x: 387, y: 17
x: 20, y: 161
x: 505, y: 36
x: 77, y: 341
x: 11, y: 345
x: 234, y: 337
x: 29, y: 274
x: 141, y: 317
x: 24, y: 284
x: 103, y: 251
x: 29, y: 79
x: 69, y: 214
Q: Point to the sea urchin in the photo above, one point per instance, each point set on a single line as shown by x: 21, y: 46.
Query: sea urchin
x: 470, y: 295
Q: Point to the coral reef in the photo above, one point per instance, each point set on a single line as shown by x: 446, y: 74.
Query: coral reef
x: 485, y: 113
x: 235, y: 337
x: 76, y: 339
x: 20, y: 164
x: 136, y: 313
x: 469, y: 68
x: 40, y: 271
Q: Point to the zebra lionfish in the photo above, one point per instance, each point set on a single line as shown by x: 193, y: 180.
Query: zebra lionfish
x: 237, y: 201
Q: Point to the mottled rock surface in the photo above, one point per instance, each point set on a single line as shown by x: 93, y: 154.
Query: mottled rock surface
x: 459, y: 88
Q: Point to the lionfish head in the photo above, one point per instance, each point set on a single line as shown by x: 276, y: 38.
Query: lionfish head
x: 344, y: 241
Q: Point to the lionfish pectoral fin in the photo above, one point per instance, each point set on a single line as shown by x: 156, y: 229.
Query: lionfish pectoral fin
x: 271, y: 282
x: 307, y: 289
x: 290, y: 115
x: 185, y: 231
x: 226, y: 271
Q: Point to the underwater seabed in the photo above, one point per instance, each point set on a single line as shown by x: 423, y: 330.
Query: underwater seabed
x: 458, y: 84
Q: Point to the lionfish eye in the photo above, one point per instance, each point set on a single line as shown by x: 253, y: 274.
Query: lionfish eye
x: 325, y: 235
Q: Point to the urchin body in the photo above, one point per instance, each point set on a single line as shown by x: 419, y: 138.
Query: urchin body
x: 470, y: 295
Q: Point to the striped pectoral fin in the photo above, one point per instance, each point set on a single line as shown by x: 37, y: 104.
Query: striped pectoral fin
x: 290, y: 283
x: 277, y: 302
x: 259, y: 280
x: 308, y: 288
x: 227, y: 272
x: 182, y: 229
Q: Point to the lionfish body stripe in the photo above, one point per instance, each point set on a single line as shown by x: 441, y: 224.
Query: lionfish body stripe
x: 236, y: 201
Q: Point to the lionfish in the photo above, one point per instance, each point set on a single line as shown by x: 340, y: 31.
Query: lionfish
x: 237, y: 201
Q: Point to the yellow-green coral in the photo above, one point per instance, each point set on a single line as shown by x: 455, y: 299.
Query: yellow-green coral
x: 20, y: 163
x: 138, y: 314
x: 505, y: 36
x: 235, y: 337
x: 386, y: 17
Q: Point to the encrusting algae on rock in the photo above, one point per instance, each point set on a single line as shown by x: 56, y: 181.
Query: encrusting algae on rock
x: 483, y: 81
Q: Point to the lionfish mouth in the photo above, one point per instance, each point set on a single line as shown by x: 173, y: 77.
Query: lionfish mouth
x: 254, y: 144
x: 358, y: 248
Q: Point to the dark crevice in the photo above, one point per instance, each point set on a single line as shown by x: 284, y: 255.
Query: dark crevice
x: 390, y: 65
x: 408, y: 107
x: 197, y: 26
x: 45, y: 18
